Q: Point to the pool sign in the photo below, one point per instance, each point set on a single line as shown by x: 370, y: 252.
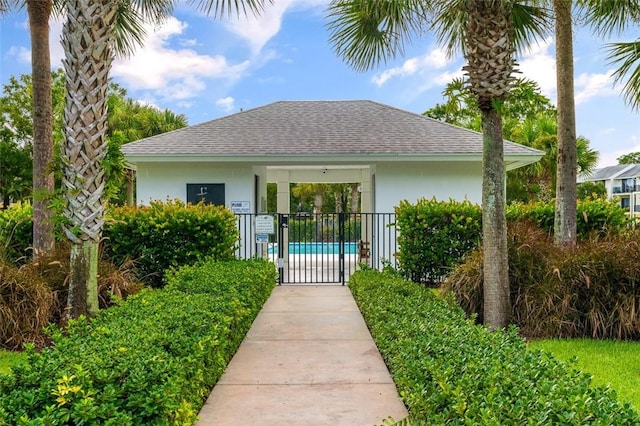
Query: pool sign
x: 262, y: 238
x: 240, y: 207
x: 265, y: 224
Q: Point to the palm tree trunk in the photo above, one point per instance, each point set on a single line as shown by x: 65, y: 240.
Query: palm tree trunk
x: 566, y: 184
x: 497, y: 304
x: 39, y: 12
x: 87, y: 41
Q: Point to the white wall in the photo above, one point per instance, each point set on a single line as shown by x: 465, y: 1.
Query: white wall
x: 157, y: 181
x: 407, y: 181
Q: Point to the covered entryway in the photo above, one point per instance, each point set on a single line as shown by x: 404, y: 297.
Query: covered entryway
x: 392, y: 155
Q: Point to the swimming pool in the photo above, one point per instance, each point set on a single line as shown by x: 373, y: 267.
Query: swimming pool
x: 317, y: 248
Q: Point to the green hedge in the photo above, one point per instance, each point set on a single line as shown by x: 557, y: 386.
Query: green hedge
x: 152, y: 360
x: 595, y: 217
x: 168, y: 234
x: 435, y: 236
x: 450, y: 371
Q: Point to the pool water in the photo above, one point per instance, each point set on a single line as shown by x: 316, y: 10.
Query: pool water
x: 317, y: 248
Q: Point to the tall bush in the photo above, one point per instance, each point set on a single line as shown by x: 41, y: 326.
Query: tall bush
x: 433, y: 236
x: 591, y: 290
x: 169, y: 234
x: 26, y: 303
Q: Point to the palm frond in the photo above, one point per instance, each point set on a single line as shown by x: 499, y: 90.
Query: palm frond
x: 7, y: 5
x: 610, y: 16
x: 131, y: 18
x: 221, y: 8
x: 365, y: 33
x: 626, y: 56
x: 531, y: 24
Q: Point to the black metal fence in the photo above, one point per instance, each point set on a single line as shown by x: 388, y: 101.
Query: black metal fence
x: 319, y: 248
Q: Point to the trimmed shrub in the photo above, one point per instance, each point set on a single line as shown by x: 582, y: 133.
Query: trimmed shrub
x: 592, y: 290
x: 170, y: 234
x: 434, y: 236
x: 151, y: 360
x: 595, y: 217
x: 450, y: 371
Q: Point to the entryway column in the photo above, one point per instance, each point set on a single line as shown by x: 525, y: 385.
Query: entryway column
x: 283, y: 207
x: 366, y: 207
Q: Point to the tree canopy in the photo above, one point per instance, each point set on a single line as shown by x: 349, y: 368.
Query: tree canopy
x: 129, y: 120
x: 529, y: 118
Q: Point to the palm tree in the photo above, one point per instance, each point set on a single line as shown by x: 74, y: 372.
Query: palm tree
x: 566, y: 182
x: 366, y: 32
x: 93, y: 31
x: 39, y: 12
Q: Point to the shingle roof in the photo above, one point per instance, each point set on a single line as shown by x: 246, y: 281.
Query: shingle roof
x: 318, y: 127
x: 620, y: 171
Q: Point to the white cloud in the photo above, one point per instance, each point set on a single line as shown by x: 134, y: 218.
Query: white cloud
x: 21, y: 53
x: 435, y: 59
x: 590, y: 85
x: 173, y: 73
x: 610, y: 158
x: 257, y: 31
x: 539, y: 65
x: 226, y: 104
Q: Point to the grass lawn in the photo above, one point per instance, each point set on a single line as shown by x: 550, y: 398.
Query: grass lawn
x: 608, y: 361
x: 7, y: 359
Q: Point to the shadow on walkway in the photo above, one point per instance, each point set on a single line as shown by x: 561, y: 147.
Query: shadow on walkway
x: 307, y: 360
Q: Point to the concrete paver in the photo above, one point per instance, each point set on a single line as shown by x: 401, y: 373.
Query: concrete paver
x: 308, y: 360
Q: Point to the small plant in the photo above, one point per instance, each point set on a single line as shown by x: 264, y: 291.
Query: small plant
x: 26, y: 303
x: 434, y: 236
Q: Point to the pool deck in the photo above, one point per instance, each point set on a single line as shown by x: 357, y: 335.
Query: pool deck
x: 308, y: 360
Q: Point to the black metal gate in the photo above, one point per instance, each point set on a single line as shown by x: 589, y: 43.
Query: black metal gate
x: 321, y: 248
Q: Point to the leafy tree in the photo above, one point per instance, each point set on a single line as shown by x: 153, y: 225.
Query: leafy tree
x: 15, y: 168
x: 591, y: 190
x: 364, y: 33
x: 128, y: 121
x: 630, y: 158
x: 530, y: 119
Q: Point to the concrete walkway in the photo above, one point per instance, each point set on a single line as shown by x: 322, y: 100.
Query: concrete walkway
x: 307, y: 360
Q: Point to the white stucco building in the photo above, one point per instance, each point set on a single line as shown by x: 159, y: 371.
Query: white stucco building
x: 622, y: 182
x: 392, y: 155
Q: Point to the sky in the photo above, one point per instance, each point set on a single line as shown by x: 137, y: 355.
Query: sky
x: 206, y: 69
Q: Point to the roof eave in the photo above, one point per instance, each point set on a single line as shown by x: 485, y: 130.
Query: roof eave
x: 511, y: 160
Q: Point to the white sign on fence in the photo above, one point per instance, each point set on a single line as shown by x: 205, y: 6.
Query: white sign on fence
x: 240, y: 207
x: 265, y: 224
